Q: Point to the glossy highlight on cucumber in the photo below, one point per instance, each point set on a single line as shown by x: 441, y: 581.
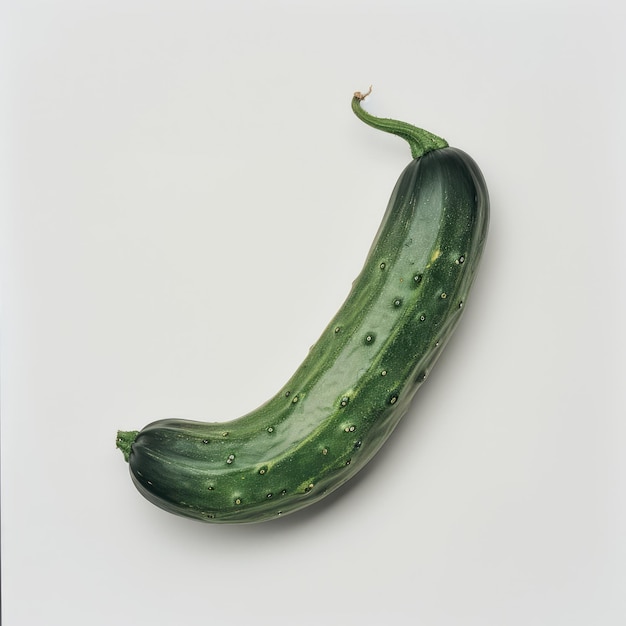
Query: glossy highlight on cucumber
x: 357, y: 381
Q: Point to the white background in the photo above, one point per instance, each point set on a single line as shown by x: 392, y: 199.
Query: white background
x: 186, y: 197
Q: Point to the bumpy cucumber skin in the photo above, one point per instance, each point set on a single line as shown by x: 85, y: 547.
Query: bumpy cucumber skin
x: 357, y: 381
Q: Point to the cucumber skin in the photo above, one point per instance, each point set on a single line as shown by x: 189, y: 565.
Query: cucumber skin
x: 357, y: 381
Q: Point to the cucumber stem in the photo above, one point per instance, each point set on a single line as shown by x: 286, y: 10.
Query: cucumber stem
x: 420, y: 140
x: 125, y: 440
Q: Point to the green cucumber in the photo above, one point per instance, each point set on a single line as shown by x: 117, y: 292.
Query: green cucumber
x: 358, y: 380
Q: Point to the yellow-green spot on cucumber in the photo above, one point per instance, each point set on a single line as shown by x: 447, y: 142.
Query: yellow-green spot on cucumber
x: 358, y: 379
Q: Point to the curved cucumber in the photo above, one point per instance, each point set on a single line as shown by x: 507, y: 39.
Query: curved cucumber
x: 357, y: 381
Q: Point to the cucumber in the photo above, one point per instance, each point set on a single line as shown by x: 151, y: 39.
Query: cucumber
x: 357, y: 381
